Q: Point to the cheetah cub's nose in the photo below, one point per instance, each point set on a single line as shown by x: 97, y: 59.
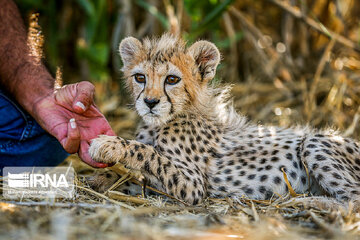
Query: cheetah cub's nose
x: 151, y: 102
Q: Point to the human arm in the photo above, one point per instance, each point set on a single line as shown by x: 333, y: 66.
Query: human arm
x: 19, y: 72
x: 27, y: 80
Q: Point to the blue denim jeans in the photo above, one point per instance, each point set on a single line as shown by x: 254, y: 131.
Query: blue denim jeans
x: 22, y: 141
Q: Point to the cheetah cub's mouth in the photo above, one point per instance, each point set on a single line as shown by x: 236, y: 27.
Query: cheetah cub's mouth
x: 166, y: 78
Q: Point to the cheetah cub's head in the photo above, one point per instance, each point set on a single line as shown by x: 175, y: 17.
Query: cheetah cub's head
x: 166, y: 78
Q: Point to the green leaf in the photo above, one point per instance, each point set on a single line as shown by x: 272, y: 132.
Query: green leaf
x: 154, y: 11
x: 216, y: 12
x: 87, y: 6
x: 98, y: 74
x: 100, y: 53
x: 97, y: 53
x: 210, y: 21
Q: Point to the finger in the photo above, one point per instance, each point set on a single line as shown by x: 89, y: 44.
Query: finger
x: 71, y: 143
x: 84, y: 155
x: 84, y: 96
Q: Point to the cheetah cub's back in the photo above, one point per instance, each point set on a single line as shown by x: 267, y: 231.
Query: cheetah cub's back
x: 193, y: 144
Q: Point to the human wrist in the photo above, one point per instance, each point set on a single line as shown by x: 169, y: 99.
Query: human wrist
x: 33, y: 83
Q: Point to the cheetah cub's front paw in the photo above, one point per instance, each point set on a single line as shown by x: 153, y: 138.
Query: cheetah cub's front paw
x: 106, y: 149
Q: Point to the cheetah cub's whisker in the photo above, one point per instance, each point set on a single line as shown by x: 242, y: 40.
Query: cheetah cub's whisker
x: 193, y: 144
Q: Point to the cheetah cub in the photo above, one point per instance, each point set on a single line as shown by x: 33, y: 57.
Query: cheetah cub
x: 193, y: 144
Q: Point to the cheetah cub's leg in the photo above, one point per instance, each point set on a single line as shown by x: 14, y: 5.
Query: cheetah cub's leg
x: 146, y: 158
x: 334, y: 163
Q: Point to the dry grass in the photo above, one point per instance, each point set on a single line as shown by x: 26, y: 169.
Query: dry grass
x: 114, y: 215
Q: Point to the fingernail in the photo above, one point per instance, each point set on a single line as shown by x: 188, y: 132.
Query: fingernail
x: 81, y: 105
x: 72, y: 123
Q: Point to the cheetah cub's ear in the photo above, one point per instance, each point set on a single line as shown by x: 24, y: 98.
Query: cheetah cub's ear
x: 207, y: 57
x: 128, y: 48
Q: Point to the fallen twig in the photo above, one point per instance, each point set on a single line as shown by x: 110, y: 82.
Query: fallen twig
x: 106, y: 198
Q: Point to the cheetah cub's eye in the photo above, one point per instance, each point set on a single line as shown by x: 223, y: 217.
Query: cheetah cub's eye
x: 172, y: 80
x: 140, y: 78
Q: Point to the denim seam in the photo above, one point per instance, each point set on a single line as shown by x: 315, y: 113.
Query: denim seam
x: 28, y: 128
x: 28, y: 124
x: 6, y: 145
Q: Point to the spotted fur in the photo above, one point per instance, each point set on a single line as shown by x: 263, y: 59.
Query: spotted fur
x: 193, y: 143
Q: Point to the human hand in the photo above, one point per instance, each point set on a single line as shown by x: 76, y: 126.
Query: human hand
x: 70, y: 115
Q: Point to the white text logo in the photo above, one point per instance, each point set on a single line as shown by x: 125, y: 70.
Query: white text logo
x: 27, y: 180
x: 38, y: 182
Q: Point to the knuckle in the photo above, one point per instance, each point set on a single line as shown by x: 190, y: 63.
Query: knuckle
x: 88, y: 86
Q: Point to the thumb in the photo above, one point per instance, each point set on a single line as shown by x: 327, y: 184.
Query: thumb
x: 71, y: 143
x: 84, y: 96
x: 84, y: 155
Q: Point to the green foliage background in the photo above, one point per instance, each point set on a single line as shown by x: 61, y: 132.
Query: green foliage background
x: 82, y: 36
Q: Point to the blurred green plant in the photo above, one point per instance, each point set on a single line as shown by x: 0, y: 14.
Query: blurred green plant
x: 78, y: 33
x: 154, y: 11
x: 205, y: 15
x: 93, y: 45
